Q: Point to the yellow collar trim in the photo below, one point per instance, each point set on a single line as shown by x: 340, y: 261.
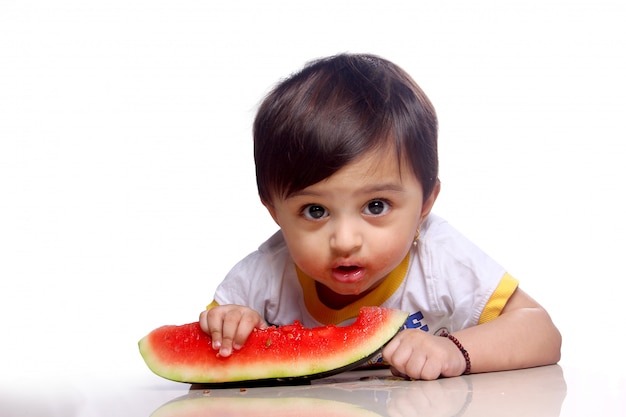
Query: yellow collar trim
x: 379, y: 295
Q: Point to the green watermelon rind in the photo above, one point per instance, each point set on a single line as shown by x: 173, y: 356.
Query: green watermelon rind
x: 380, y: 325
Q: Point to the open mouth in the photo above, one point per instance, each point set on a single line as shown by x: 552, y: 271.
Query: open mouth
x: 348, y: 273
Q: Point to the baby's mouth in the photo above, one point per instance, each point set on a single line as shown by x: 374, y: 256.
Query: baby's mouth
x: 348, y: 273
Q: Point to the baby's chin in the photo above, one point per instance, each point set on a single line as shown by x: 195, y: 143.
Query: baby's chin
x: 346, y: 292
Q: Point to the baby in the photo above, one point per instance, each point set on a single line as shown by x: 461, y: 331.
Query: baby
x: 347, y: 166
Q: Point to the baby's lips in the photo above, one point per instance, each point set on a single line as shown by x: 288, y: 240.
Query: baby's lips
x: 346, y: 267
x: 348, y: 274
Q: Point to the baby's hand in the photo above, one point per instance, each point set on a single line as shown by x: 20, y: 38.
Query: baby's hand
x: 229, y: 326
x: 416, y: 354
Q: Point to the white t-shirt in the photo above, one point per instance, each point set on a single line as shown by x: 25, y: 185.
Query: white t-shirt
x: 445, y: 283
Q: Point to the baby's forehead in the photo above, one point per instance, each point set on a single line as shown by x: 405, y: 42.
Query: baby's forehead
x: 373, y: 171
x: 389, y: 159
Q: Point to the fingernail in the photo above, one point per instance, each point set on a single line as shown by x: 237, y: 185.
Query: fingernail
x: 216, y: 345
x: 236, y: 346
x: 224, y: 352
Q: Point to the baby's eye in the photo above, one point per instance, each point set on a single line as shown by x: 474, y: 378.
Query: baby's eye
x: 314, y: 212
x: 376, y: 208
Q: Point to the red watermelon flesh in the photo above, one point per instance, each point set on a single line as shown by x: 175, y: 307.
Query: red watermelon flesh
x: 184, y: 353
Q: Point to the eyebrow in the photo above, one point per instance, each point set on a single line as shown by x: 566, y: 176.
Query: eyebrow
x: 393, y: 187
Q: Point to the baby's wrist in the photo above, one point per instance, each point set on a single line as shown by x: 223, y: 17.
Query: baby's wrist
x: 464, y: 352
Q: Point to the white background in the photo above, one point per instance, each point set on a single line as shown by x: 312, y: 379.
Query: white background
x: 127, y: 187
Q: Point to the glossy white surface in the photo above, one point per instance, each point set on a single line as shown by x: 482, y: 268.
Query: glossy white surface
x: 545, y: 391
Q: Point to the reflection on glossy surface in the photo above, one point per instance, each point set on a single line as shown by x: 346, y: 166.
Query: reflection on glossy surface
x: 529, y: 392
x: 266, y: 407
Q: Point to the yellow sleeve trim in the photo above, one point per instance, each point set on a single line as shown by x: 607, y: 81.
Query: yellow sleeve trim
x: 499, y: 298
x: 213, y: 304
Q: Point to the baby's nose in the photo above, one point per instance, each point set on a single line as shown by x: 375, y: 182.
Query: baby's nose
x: 346, y: 237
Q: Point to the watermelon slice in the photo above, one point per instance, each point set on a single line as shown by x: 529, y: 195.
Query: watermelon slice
x: 184, y: 353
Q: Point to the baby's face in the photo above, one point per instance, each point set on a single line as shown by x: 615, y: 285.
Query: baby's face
x: 350, y: 230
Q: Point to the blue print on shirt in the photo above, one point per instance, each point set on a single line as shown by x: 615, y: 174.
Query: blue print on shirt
x: 414, y: 321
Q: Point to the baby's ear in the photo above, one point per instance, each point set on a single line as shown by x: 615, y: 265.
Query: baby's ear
x: 428, y: 204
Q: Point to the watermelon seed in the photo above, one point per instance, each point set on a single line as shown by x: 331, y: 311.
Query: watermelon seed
x: 268, y: 342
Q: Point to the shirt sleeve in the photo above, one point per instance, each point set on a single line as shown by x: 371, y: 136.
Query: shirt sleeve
x: 499, y: 298
x: 264, y: 281
x: 248, y: 283
x: 463, y: 284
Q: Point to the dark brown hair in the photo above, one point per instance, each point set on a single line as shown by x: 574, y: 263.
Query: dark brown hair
x: 333, y: 111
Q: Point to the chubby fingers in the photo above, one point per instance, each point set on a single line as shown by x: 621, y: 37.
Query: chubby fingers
x: 229, y: 326
x: 404, y: 362
x: 418, y: 355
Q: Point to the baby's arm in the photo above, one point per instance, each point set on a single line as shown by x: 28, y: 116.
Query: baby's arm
x: 229, y: 326
x: 522, y: 336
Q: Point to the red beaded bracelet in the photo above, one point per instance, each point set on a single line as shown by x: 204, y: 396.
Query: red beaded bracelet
x: 468, y: 363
